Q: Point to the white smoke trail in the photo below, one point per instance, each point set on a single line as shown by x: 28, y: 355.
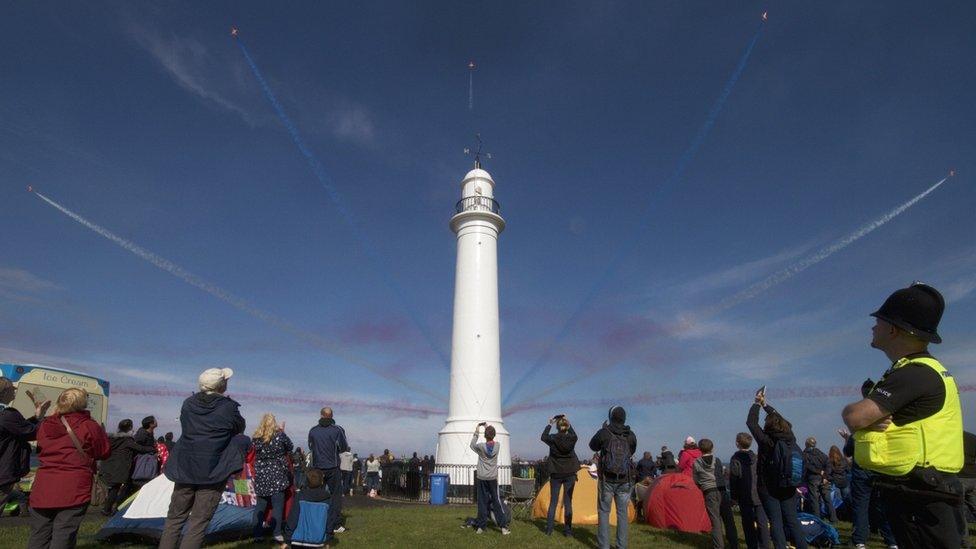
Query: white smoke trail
x: 807, y: 262
x: 233, y: 300
x: 743, y: 295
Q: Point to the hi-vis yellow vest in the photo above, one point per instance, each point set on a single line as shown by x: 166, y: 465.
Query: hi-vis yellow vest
x: 935, y: 441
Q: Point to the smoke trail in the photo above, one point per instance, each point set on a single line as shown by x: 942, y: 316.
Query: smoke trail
x: 399, y: 408
x: 717, y: 395
x: 759, y: 287
x: 807, y: 262
x: 628, y: 247
x: 233, y: 300
x: 323, y: 177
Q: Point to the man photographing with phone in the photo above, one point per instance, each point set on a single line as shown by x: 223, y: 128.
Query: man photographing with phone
x: 489, y: 499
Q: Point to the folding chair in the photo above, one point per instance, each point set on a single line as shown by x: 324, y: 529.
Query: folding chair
x: 521, y: 497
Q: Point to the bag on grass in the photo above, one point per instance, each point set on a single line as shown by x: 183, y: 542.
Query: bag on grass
x: 817, y: 532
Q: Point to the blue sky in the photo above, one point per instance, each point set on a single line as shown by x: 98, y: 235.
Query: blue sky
x: 147, y: 121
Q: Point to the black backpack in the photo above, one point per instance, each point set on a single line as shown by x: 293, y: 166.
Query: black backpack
x: 616, y: 456
x: 667, y: 461
x: 786, y: 465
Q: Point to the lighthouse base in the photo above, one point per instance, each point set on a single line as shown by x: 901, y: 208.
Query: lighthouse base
x: 455, y: 457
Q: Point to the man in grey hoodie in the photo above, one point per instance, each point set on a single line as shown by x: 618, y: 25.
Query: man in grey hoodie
x: 489, y: 499
x: 704, y: 471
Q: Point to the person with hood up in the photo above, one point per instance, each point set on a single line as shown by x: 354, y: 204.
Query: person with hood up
x: 326, y: 441
x: 688, y: 455
x: 615, y: 444
x: 563, y: 466
x: 706, y: 470
x: 116, y: 471
x: 778, y: 502
x: 489, y: 498
x: 743, y: 486
x: 197, y: 466
x: 817, y: 473
x: 70, y: 442
x: 15, y: 436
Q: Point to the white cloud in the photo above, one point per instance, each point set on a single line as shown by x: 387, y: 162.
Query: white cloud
x: 24, y: 286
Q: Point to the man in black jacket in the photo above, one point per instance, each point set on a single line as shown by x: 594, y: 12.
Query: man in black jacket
x: 201, y: 461
x: 15, y: 435
x: 116, y: 471
x: 326, y: 441
x: 616, y: 444
x: 816, y: 472
x: 646, y: 467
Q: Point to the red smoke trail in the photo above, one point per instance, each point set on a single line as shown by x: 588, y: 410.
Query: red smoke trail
x: 717, y: 395
x: 401, y: 408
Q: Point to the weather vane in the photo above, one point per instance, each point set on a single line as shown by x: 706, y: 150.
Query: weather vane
x: 478, y: 153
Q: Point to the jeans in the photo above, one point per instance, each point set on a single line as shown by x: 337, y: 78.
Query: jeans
x: 346, y: 482
x: 567, y: 484
x: 755, y: 525
x: 713, y: 506
x: 782, y: 517
x: 55, y: 528
x: 817, y: 489
x: 728, y: 520
x: 863, y: 502
x: 277, y: 503
x: 333, y: 479
x: 619, y: 494
x: 917, y: 522
x: 196, y: 502
x: 489, y: 501
x: 373, y: 481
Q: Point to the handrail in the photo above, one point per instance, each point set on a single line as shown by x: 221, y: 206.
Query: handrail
x: 477, y: 203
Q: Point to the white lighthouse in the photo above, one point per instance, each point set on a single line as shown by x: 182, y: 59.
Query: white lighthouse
x: 475, y: 365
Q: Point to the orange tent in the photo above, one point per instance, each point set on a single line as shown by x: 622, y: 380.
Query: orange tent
x: 584, y: 502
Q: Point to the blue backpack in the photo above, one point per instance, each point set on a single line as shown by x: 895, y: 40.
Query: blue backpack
x: 310, y: 530
x: 817, y: 532
x: 787, y: 463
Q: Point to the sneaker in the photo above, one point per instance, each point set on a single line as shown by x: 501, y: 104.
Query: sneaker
x: 568, y: 532
x: 892, y: 547
x: 479, y: 531
x: 339, y: 530
x: 548, y: 531
x: 506, y: 531
x: 860, y: 546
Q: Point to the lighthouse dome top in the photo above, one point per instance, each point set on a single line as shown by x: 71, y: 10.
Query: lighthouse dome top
x: 477, y: 182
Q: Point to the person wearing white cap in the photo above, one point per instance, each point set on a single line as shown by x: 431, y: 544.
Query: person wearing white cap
x: 209, y: 421
x: 688, y: 455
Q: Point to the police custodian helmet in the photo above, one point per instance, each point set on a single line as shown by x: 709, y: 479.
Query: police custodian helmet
x: 916, y: 309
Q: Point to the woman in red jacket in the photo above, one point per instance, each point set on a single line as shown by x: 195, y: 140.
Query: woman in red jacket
x: 63, y: 483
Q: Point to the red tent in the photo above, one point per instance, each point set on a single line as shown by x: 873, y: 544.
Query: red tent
x: 675, y: 502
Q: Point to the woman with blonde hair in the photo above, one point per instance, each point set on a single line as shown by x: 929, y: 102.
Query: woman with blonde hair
x: 69, y: 442
x: 271, y: 474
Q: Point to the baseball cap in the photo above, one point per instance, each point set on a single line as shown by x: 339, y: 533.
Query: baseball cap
x: 212, y: 378
x: 690, y: 440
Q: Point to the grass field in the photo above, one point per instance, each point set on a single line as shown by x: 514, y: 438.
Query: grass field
x: 413, y: 526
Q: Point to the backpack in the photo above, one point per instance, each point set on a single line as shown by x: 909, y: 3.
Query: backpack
x: 146, y: 467
x: 616, y: 456
x: 817, y: 532
x: 667, y: 461
x: 787, y: 464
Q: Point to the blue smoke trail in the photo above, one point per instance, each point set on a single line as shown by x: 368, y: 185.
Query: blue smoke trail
x: 628, y: 247
x: 319, y: 170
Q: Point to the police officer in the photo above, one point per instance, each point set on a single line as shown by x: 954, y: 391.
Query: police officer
x: 908, y: 429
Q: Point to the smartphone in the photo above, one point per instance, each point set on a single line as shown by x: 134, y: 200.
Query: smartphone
x: 482, y: 424
x: 560, y: 416
x: 762, y: 391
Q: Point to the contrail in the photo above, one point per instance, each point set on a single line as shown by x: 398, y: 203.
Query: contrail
x: 807, y: 262
x: 628, y: 247
x: 759, y: 287
x: 233, y: 300
x: 717, y: 395
x: 323, y: 177
x: 398, y: 408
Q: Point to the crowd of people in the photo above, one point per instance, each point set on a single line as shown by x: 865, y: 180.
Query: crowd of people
x: 902, y: 456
